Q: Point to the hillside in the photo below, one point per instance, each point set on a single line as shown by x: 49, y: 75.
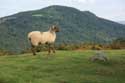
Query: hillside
x: 63, y: 67
x: 76, y: 27
x: 122, y: 22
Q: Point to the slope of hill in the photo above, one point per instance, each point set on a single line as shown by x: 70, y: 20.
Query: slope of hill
x: 122, y: 22
x: 76, y: 26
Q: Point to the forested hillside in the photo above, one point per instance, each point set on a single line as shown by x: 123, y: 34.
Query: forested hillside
x: 76, y: 27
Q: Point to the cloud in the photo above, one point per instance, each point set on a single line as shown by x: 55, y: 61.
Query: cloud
x: 81, y: 1
x: 85, y: 1
x: 110, y: 9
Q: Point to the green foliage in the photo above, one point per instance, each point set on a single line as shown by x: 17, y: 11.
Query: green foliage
x: 63, y: 67
x: 118, y: 43
x: 4, y: 52
x: 76, y: 27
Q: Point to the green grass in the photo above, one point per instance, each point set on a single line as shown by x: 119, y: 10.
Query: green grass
x: 63, y: 67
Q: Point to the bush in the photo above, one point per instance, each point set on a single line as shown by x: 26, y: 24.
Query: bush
x: 4, y: 52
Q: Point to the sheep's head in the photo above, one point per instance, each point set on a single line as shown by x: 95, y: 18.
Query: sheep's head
x: 55, y: 28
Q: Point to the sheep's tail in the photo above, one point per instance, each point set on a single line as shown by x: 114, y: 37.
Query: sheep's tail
x: 29, y: 38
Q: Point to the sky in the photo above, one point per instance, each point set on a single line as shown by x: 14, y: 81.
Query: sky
x: 110, y: 9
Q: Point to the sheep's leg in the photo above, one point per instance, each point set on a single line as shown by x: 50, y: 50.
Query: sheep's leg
x: 49, y: 49
x: 32, y: 47
x: 33, y: 50
x: 39, y: 47
x: 53, y: 48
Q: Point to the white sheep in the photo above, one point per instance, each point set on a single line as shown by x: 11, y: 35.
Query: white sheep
x: 36, y: 38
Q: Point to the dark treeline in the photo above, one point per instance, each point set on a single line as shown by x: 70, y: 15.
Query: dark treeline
x: 116, y: 44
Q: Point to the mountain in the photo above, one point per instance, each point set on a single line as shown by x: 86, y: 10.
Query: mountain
x: 76, y: 27
x: 122, y: 22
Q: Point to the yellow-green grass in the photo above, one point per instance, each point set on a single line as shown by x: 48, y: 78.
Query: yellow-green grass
x: 63, y: 67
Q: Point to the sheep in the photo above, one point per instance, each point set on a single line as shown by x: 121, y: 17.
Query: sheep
x: 37, y: 38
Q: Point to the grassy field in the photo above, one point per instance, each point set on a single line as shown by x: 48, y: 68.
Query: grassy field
x: 63, y: 67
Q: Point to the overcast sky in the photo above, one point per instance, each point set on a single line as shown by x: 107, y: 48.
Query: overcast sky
x: 109, y: 9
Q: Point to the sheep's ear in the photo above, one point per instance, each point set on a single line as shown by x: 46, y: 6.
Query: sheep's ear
x: 49, y: 28
x: 53, y: 26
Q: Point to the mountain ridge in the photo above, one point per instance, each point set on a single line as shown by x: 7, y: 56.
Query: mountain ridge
x: 121, y: 22
x: 86, y: 26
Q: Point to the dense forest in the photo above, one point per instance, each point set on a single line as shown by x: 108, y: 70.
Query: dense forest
x: 76, y: 27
